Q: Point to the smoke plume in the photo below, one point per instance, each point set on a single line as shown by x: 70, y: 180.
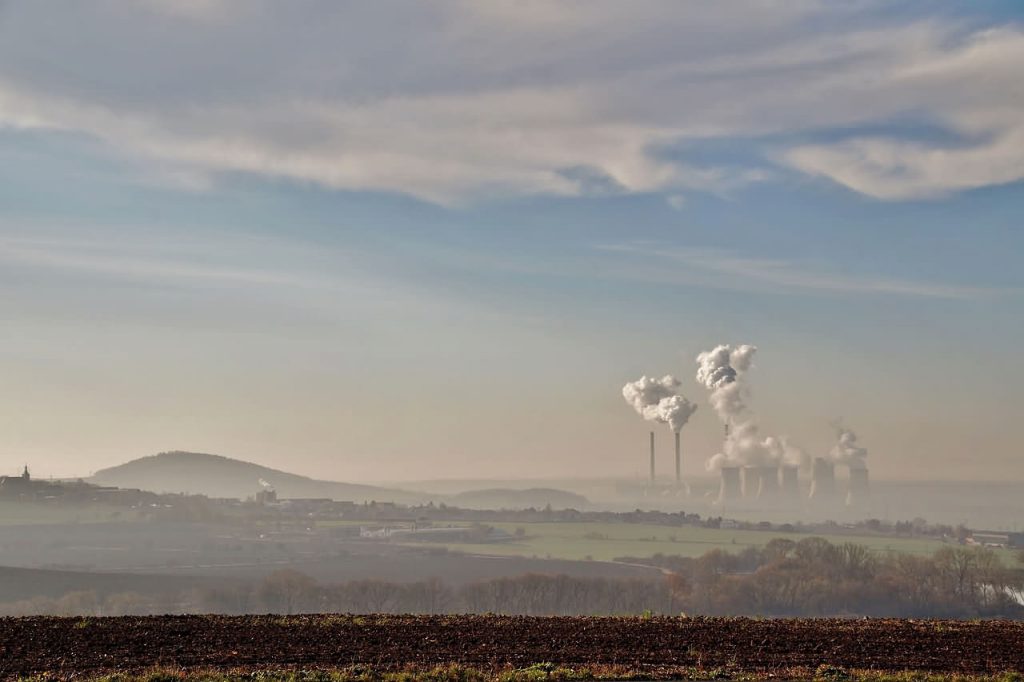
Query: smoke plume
x: 723, y: 371
x: 846, y: 450
x: 675, y: 411
x: 794, y: 455
x: 657, y: 400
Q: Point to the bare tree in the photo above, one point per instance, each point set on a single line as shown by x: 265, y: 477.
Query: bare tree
x: 287, y: 591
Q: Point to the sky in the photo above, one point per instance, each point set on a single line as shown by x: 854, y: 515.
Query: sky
x: 402, y: 240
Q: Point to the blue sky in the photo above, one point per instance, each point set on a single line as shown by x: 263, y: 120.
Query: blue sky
x: 405, y: 240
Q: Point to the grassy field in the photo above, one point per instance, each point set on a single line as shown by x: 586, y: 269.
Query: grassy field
x: 16, y: 513
x: 606, y: 541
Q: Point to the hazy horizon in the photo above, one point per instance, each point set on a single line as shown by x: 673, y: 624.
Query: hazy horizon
x: 640, y: 474
x: 326, y: 241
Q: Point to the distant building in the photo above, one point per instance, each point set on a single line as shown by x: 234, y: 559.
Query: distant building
x: 266, y: 497
x: 990, y: 538
x: 307, y: 505
x: 16, y: 486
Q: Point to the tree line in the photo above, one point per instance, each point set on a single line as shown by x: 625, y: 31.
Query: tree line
x: 812, y: 577
x: 288, y: 591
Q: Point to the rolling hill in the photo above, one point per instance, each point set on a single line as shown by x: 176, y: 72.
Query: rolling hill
x: 505, y: 498
x: 218, y: 476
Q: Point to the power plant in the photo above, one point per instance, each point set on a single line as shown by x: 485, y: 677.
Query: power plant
x: 857, y: 490
x: 760, y: 483
x: 751, y: 481
x: 658, y: 400
x: 790, y: 481
x: 753, y: 465
x: 652, y: 458
x: 775, y: 485
x: 823, y: 479
x: 652, y: 465
x: 731, y: 488
x: 768, y: 482
x: 679, y: 461
x: 780, y: 485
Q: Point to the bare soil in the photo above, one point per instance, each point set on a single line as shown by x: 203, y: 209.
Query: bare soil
x: 75, y: 647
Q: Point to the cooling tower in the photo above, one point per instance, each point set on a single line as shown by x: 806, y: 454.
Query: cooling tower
x: 790, y: 481
x: 768, y: 478
x: 751, y: 481
x: 652, y: 457
x: 731, y: 489
x: 858, y: 488
x: 823, y: 479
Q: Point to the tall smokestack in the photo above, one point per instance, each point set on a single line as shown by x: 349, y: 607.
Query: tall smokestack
x: 652, y: 457
x: 731, y: 489
x: 858, y: 486
x: 823, y: 478
x: 679, y: 461
x: 790, y: 481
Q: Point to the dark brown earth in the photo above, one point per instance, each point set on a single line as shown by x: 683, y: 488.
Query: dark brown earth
x: 76, y: 646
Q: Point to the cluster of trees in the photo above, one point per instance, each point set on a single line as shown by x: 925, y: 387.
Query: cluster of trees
x: 288, y: 591
x: 94, y: 603
x: 917, y: 527
x: 812, y: 577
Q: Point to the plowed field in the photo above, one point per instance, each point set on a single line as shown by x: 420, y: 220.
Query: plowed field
x: 76, y: 646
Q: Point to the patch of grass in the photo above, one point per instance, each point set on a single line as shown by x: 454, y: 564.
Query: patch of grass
x: 19, y: 513
x: 922, y: 676
x: 545, y: 671
x: 831, y: 672
x: 606, y: 541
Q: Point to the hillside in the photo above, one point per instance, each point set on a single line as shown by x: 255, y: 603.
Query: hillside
x: 505, y: 498
x: 218, y: 476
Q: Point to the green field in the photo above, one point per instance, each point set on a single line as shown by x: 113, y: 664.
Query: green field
x: 606, y: 541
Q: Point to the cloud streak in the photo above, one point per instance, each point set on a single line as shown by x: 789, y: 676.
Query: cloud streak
x: 495, y: 101
x: 728, y: 270
x: 141, y: 264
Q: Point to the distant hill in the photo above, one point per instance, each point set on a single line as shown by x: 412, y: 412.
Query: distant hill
x: 505, y: 498
x: 218, y: 476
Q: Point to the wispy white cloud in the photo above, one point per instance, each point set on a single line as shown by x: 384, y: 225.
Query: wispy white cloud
x: 311, y: 283
x: 138, y: 267
x: 466, y: 100
x: 892, y: 169
x: 972, y: 89
x: 721, y: 269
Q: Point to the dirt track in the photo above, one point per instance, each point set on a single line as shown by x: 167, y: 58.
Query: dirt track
x: 77, y: 646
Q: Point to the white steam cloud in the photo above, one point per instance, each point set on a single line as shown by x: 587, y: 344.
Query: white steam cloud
x: 658, y: 400
x: 675, y: 411
x: 846, y: 450
x: 723, y: 371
